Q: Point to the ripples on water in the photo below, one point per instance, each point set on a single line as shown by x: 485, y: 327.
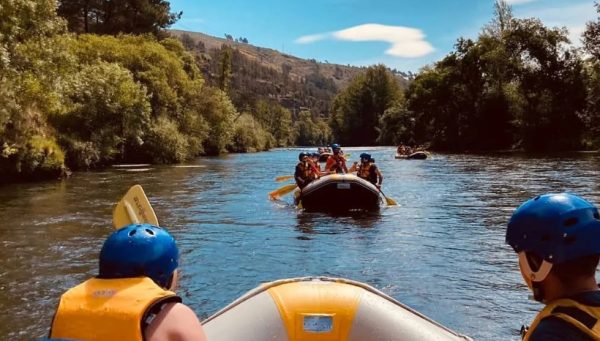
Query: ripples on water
x: 441, y: 251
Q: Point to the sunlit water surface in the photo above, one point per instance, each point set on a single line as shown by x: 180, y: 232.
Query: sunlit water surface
x: 440, y: 251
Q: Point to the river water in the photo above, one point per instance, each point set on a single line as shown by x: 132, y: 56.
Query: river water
x: 441, y: 250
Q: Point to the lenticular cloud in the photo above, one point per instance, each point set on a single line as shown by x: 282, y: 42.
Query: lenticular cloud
x: 405, y: 41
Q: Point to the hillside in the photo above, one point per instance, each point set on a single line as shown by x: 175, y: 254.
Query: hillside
x: 263, y: 73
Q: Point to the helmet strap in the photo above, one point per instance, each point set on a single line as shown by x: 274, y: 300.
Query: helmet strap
x: 538, y: 291
x: 533, y: 276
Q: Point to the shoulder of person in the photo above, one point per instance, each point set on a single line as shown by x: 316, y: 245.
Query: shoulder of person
x: 553, y: 328
x: 176, y: 321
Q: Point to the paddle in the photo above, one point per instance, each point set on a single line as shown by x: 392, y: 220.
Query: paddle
x: 134, y: 208
x: 389, y: 201
x: 283, y: 178
x: 282, y: 191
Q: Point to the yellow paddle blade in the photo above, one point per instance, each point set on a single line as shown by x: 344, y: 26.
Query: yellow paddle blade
x: 134, y: 208
x: 282, y: 191
x: 390, y: 201
x: 283, y: 178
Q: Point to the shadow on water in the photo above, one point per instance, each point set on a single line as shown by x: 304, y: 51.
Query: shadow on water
x: 310, y: 223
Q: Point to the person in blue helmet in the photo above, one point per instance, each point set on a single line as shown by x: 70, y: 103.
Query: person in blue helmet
x: 132, y: 298
x: 336, y: 163
x: 557, y: 239
x: 305, y: 170
x: 368, y: 170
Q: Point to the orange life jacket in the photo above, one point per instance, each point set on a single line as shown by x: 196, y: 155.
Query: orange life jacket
x: 365, y: 171
x: 335, y: 163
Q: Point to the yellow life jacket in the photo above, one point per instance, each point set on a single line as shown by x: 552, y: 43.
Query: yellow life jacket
x: 108, y: 309
x: 581, y: 316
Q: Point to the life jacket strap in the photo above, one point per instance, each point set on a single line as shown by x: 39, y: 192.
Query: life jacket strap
x: 578, y: 314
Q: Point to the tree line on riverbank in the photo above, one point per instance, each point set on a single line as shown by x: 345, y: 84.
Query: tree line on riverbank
x: 86, y: 89
x: 519, y: 85
x: 103, y: 83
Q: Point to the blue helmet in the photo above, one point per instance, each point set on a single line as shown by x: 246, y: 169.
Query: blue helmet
x: 335, y: 146
x: 139, y: 250
x: 302, y: 155
x: 557, y: 227
x: 365, y: 156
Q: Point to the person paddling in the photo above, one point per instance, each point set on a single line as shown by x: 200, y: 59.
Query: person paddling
x: 336, y: 163
x: 305, y: 170
x: 368, y: 170
x: 132, y: 298
x: 557, y: 239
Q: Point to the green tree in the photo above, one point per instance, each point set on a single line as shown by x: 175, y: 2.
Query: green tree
x: 591, y: 36
x: 225, y: 68
x: 114, y: 17
x: 311, y: 132
x: 552, y: 85
x: 250, y: 136
x: 357, y: 110
x: 106, y: 111
x: 31, y: 53
x: 277, y: 120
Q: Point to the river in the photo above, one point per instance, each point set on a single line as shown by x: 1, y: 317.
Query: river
x: 441, y: 250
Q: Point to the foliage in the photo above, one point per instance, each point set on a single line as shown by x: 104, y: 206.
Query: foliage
x: 310, y: 131
x: 249, y: 81
x: 277, y: 120
x: 591, y: 116
x: 225, y: 72
x: 517, y: 85
x: 219, y: 113
x: 250, y: 136
x: 106, y: 93
x: 114, y: 17
x: 357, y: 110
x: 397, y: 126
x: 203, y: 115
x: 591, y: 36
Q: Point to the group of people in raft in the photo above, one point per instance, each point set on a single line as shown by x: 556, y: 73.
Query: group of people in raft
x: 309, y: 169
x: 556, y: 237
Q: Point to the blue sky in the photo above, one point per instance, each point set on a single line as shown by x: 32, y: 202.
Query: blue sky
x: 402, y: 34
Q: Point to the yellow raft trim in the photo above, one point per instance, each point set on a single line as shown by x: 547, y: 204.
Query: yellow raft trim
x: 300, y: 300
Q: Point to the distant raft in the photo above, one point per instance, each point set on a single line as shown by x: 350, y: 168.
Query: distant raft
x: 322, y: 308
x: 339, y: 192
x: 413, y: 156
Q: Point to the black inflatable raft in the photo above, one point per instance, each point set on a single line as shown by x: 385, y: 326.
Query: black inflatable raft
x: 413, y: 156
x: 339, y: 192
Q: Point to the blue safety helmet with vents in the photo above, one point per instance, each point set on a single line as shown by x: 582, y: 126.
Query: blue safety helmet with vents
x: 557, y: 227
x: 335, y: 146
x: 302, y: 155
x: 139, y: 250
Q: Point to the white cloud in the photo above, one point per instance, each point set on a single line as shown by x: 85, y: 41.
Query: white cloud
x: 312, y: 38
x: 405, y: 41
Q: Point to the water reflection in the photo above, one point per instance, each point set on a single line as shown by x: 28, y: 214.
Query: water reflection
x: 335, y: 223
x: 441, y: 250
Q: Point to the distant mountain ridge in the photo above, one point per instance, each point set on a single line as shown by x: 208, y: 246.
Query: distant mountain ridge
x: 300, y: 68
